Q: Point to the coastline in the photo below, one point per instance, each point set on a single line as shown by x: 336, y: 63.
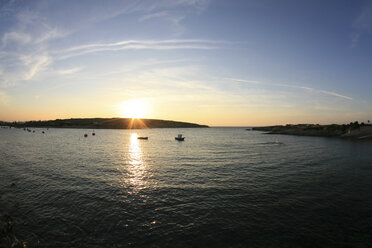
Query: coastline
x: 354, y: 131
x: 104, y: 123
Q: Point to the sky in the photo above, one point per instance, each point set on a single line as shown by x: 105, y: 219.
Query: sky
x: 220, y: 63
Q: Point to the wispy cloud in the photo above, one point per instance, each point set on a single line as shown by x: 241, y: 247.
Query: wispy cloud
x: 35, y: 63
x: 33, y: 28
x: 330, y: 93
x: 22, y: 66
x: 174, y: 19
x: 333, y: 94
x: 137, y: 45
x: 26, y: 44
x: 70, y: 70
x: 23, y: 42
x: 150, y: 43
x: 32, y: 61
x: 17, y: 37
x: 153, y: 15
x: 146, y: 8
x: 50, y: 34
x: 25, y: 47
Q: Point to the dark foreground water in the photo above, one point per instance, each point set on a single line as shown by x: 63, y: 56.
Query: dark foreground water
x: 221, y: 187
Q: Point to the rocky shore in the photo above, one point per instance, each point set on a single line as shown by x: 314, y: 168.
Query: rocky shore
x: 353, y: 130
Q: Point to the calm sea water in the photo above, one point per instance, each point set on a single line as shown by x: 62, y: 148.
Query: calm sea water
x: 221, y: 187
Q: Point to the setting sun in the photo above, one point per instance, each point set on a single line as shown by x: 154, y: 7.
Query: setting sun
x: 135, y: 108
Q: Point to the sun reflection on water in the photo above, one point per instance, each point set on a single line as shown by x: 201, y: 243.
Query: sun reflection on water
x: 136, y: 167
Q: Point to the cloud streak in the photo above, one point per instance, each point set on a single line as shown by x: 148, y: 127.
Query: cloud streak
x: 198, y: 44
x: 28, y: 47
x: 35, y: 63
x: 329, y: 93
x: 25, y: 47
x: 149, y: 9
x: 17, y: 37
x: 153, y: 15
x: 70, y: 71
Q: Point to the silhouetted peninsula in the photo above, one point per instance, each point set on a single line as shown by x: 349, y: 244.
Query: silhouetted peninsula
x: 354, y: 130
x: 106, y: 123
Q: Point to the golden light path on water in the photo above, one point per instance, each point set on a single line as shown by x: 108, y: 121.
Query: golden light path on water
x: 136, y: 165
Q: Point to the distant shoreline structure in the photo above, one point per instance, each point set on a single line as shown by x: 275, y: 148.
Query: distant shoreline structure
x: 354, y: 130
x: 104, y: 123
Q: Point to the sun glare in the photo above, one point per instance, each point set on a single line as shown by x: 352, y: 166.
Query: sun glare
x: 133, y: 109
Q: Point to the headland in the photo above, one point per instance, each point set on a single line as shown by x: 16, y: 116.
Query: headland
x: 104, y: 123
x: 354, y: 130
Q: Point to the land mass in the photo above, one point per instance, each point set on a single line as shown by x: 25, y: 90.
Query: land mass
x: 353, y: 130
x: 104, y: 123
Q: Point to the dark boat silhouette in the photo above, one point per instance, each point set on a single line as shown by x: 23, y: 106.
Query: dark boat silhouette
x: 179, y: 138
x: 143, y: 138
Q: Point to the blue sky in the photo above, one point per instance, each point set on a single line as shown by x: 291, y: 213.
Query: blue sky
x: 212, y: 62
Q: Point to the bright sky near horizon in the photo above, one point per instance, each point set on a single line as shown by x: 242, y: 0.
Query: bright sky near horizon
x: 230, y: 63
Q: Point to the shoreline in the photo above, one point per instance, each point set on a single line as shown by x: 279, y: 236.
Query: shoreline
x: 103, y: 123
x: 353, y: 131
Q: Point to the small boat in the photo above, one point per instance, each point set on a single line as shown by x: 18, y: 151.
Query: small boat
x: 93, y: 134
x: 42, y: 132
x: 85, y: 135
x: 142, y: 138
x: 180, y: 138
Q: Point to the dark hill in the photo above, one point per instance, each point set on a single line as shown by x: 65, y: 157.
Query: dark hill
x: 354, y: 130
x: 106, y: 123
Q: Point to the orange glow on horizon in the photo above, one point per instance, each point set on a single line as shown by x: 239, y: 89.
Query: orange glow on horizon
x: 136, y: 124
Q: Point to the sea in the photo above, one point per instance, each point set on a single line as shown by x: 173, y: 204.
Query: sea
x: 220, y: 187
